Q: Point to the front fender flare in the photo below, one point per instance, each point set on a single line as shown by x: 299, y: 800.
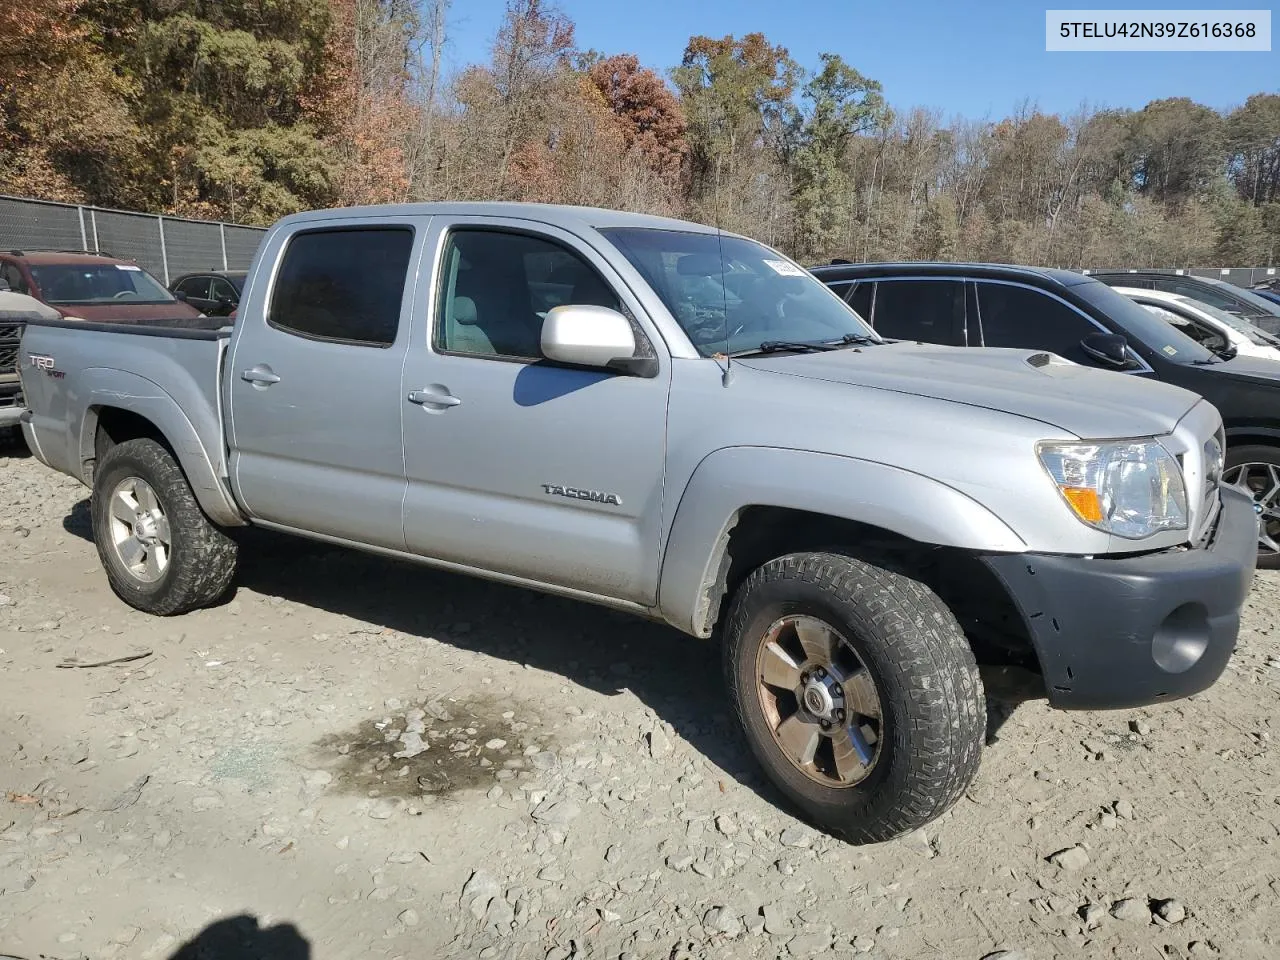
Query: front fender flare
x: 107, y: 387
x: 732, y: 479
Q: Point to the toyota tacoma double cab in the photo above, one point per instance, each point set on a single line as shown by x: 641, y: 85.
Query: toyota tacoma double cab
x: 682, y: 423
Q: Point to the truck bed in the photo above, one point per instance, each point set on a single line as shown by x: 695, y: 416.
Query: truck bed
x: 72, y: 368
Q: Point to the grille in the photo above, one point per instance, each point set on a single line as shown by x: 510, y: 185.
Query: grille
x: 9, y: 337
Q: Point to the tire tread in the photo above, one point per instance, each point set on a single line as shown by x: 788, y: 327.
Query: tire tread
x: 944, y: 749
x: 203, y: 556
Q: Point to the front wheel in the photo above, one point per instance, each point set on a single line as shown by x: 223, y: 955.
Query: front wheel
x: 161, y: 553
x: 857, y: 692
x: 1255, y: 470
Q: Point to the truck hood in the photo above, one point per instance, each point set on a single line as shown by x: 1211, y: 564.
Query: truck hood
x: 127, y: 311
x: 1092, y: 404
x: 1257, y: 369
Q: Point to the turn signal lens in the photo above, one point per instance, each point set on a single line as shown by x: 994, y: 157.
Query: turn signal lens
x: 1085, y: 502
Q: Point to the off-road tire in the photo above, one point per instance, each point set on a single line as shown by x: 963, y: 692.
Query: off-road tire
x: 1256, y: 453
x: 926, y: 677
x: 202, y: 560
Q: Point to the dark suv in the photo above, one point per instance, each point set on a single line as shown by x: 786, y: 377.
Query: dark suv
x: 1083, y: 320
x: 215, y: 292
x: 1217, y: 293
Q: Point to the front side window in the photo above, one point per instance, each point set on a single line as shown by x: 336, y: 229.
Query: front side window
x: 343, y: 284
x: 88, y: 283
x: 1028, y: 319
x: 1137, y: 325
x: 222, y: 290
x: 860, y: 297
x: 497, y: 286
x: 928, y: 310
x: 730, y: 294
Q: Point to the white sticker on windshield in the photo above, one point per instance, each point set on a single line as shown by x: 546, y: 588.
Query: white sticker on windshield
x: 785, y: 269
x: 127, y: 266
x: 1170, y: 350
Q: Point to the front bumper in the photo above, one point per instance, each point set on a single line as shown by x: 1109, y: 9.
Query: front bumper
x: 1114, y: 633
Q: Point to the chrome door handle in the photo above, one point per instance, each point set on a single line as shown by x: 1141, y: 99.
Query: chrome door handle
x: 433, y: 399
x: 262, y: 375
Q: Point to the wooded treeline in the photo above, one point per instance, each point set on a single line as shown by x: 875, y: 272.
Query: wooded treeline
x: 250, y: 109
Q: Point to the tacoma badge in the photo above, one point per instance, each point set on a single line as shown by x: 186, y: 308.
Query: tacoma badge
x: 556, y: 490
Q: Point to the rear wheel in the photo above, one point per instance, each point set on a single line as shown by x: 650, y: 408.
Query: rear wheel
x: 857, y: 692
x: 160, y: 552
x: 1255, y: 470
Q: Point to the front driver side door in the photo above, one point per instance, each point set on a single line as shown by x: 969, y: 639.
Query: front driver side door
x: 516, y: 465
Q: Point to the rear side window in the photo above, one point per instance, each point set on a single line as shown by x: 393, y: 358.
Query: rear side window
x: 1031, y: 320
x: 928, y: 310
x: 343, y: 285
x: 197, y: 287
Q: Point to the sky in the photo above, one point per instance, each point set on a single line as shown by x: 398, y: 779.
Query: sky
x: 973, y: 60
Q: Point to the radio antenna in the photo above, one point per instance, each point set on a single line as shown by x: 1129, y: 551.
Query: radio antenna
x: 726, y: 372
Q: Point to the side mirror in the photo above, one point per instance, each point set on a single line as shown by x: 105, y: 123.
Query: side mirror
x: 179, y: 295
x: 584, y: 335
x: 1110, y: 349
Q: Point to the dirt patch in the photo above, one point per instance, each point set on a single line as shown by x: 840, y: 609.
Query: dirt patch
x: 438, y: 747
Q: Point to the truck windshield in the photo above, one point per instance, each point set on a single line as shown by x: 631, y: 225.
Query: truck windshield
x: 67, y: 283
x: 730, y: 294
x: 1137, y: 323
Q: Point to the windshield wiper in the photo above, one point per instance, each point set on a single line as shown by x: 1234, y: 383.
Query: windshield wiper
x: 776, y: 346
x: 859, y: 338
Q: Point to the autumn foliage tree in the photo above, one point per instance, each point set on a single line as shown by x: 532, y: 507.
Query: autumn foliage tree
x: 249, y: 109
x: 648, y: 113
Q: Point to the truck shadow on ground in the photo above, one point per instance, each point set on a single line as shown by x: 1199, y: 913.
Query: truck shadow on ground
x: 678, y: 677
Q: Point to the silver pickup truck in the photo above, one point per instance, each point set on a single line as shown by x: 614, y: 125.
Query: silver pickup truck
x: 681, y: 423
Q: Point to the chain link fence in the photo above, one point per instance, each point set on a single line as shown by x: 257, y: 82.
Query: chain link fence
x: 165, y: 246
x: 1241, y: 276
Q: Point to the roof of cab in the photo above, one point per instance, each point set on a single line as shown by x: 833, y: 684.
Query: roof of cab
x: 860, y: 271
x: 39, y: 257
x: 562, y: 215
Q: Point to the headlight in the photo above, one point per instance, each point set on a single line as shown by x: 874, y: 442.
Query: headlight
x: 1131, y: 488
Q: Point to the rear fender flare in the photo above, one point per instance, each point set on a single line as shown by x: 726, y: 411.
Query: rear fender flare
x: 103, y: 387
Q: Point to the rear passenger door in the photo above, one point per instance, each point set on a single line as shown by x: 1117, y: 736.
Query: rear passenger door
x: 927, y: 309
x: 314, y: 381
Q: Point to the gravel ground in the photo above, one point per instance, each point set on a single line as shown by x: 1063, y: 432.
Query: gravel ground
x: 359, y: 758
